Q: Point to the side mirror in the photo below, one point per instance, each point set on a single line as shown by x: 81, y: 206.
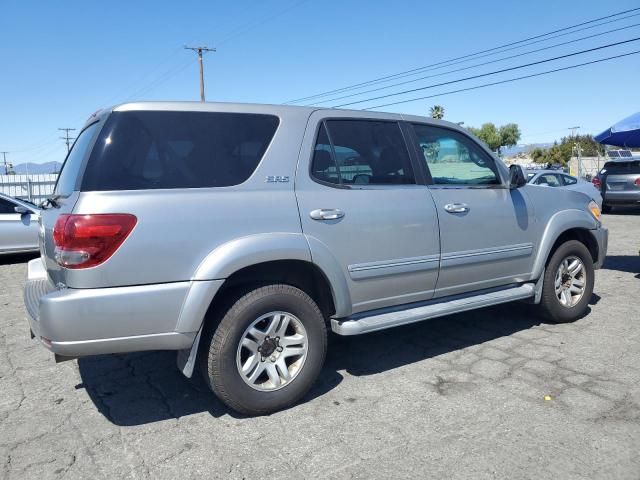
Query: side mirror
x: 21, y: 210
x: 517, y: 177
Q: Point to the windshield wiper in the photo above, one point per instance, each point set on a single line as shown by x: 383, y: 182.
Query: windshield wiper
x: 50, y: 202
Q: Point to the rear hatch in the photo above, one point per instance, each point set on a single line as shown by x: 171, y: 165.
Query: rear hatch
x: 622, y: 176
x: 65, y: 196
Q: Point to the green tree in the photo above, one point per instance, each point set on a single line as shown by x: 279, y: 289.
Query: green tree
x: 496, y: 138
x: 437, y: 111
x: 562, y: 152
x: 588, y: 146
x: 509, y: 135
x: 489, y: 134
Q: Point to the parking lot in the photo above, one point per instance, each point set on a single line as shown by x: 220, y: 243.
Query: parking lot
x: 494, y: 393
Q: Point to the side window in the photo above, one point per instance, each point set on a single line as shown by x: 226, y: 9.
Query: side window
x: 362, y: 152
x: 6, y: 206
x: 454, y: 159
x: 569, y: 180
x: 71, y: 167
x: 323, y: 166
x: 548, y: 179
x: 140, y: 150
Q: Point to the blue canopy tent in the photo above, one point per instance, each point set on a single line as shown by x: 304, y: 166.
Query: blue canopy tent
x: 625, y: 133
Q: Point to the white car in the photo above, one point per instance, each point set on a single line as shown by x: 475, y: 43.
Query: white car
x: 18, y: 225
x: 557, y: 178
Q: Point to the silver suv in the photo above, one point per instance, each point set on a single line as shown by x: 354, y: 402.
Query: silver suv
x: 239, y: 234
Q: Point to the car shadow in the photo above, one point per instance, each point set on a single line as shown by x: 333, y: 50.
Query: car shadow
x: 622, y: 263
x: 145, y: 387
x: 15, y: 258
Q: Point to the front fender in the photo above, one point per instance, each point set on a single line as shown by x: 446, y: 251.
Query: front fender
x: 559, y: 223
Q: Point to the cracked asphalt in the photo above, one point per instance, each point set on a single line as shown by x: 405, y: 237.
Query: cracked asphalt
x: 495, y: 393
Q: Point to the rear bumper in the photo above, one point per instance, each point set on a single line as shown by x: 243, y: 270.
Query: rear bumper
x: 78, y: 322
x: 613, y: 197
x: 602, y: 237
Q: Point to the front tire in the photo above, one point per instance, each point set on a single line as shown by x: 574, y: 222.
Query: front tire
x: 568, y: 283
x: 267, y: 351
x: 606, y: 208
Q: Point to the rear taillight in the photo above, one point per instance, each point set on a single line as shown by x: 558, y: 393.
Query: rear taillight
x: 637, y: 182
x: 596, y: 182
x: 84, y: 241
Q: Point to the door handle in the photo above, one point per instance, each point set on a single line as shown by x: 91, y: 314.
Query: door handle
x: 457, y: 207
x: 326, y: 214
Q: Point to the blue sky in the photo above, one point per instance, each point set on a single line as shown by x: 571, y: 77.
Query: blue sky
x: 61, y: 61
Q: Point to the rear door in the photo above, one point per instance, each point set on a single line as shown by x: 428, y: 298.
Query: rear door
x: 364, y: 211
x: 18, y: 232
x: 486, y: 229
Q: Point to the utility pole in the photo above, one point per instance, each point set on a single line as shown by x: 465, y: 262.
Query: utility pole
x: 67, y: 139
x: 577, y: 147
x: 7, y: 166
x: 199, y: 50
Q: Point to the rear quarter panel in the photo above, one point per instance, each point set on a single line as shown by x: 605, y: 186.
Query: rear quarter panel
x: 178, y: 229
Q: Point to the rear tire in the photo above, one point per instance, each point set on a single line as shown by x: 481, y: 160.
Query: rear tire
x: 267, y: 351
x: 568, y: 283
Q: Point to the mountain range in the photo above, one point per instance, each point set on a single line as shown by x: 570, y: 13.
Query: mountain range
x: 47, y: 167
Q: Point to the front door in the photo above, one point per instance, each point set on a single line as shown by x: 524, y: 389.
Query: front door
x: 18, y: 232
x: 486, y: 229
x: 363, y: 211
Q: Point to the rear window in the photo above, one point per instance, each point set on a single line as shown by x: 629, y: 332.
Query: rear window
x: 142, y: 150
x: 621, y: 167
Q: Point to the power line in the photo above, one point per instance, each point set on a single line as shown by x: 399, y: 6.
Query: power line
x: 67, y: 139
x: 450, y: 63
x: 509, y: 80
x: 475, y: 54
x: 172, y: 72
x: 247, y: 27
x: 495, y: 72
x: 476, y: 65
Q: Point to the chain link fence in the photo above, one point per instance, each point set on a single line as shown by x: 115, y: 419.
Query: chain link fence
x: 586, y: 166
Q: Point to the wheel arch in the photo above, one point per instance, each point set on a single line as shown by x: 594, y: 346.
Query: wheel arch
x: 563, y: 226
x: 301, y: 274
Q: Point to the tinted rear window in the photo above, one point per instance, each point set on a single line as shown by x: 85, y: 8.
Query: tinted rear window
x: 617, y: 168
x: 149, y: 150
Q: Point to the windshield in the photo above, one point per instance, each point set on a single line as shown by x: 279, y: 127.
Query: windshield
x: 67, y: 179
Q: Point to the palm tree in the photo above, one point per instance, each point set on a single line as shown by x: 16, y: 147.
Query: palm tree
x: 437, y: 111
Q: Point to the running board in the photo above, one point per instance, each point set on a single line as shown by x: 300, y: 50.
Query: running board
x: 381, y: 321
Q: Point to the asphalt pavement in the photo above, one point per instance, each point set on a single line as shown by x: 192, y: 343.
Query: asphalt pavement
x: 494, y: 393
